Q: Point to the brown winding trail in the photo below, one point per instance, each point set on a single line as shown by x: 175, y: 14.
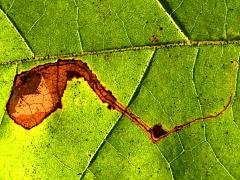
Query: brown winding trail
x: 37, y: 93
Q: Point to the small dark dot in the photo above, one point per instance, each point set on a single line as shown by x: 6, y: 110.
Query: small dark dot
x: 158, y: 131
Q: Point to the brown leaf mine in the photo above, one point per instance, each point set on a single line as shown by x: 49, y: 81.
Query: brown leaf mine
x: 37, y: 93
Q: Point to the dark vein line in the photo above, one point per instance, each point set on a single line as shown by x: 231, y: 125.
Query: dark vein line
x: 118, y: 120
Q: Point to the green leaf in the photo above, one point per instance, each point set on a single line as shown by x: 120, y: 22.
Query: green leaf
x: 169, y: 61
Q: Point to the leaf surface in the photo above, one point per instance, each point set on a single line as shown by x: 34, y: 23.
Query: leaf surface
x: 169, y: 61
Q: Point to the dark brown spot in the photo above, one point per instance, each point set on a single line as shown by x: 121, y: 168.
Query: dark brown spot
x: 154, y: 39
x: 59, y: 104
x: 158, y: 131
x: 72, y: 74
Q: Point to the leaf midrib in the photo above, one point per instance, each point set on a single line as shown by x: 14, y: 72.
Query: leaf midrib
x: 135, y: 48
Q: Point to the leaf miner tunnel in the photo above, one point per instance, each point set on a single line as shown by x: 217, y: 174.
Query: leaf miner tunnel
x: 37, y: 93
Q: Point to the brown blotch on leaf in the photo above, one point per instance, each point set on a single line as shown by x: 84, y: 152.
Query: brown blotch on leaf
x: 154, y: 39
x: 38, y: 92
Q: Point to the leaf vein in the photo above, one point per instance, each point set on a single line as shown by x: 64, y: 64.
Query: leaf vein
x: 196, y: 90
x: 18, y: 31
x: 123, y: 24
x: 173, y: 21
x: 225, y: 19
x: 135, y: 48
x: 218, y: 160
x: 78, y: 27
x: 169, y: 165
x: 195, y: 21
x: 124, y: 157
x: 10, y: 6
x: 40, y: 17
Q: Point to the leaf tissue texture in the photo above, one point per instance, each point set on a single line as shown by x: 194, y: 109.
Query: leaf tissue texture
x: 168, y: 61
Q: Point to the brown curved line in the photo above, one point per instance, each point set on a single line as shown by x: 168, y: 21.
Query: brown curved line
x: 184, y: 125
